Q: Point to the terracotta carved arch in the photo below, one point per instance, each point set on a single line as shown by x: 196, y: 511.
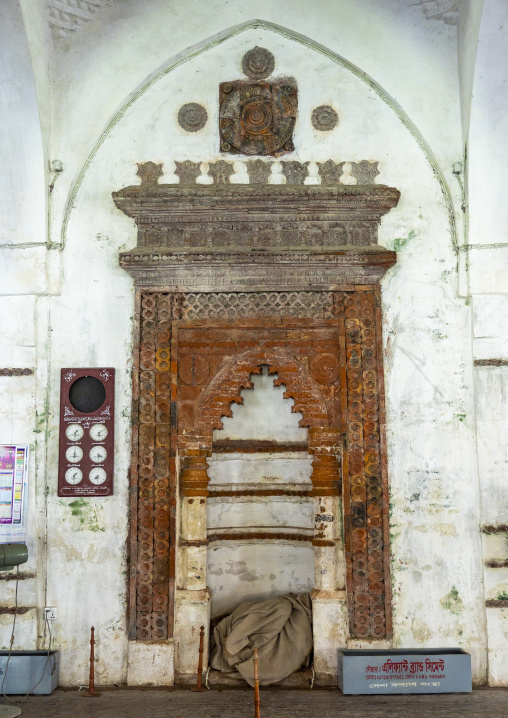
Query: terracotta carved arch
x: 224, y: 389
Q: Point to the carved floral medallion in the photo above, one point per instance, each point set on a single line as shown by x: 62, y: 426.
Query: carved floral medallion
x: 192, y: 117
x: 258, y: 63
x: 257, y: 119
x: 324, y: 118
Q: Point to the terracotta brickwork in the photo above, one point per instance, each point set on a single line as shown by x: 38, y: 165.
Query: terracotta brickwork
x: 364, y: 471
x: 153, y: 488
x: 227, y: 355
x: 192, y: 366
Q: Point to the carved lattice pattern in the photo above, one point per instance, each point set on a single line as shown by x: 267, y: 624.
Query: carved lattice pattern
x: 238, y: 305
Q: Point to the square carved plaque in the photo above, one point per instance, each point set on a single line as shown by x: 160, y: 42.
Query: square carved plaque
x: 257, y: 118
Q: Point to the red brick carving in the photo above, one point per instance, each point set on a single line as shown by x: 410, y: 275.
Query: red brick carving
x: 224, y: 389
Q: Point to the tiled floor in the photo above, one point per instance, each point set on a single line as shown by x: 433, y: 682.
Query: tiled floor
x: 275, y: 703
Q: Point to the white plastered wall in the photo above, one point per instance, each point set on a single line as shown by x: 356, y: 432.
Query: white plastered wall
x: 488, y: 285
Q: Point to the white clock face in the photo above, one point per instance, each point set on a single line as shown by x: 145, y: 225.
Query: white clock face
x: 73, y: 475
x: 98, y: 454
x: 98, y: 432
x: 97, y: 475
x: 74, y: 454
x: 74, y: 432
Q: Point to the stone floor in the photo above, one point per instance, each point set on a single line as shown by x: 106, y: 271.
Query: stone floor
x: 275, y: 703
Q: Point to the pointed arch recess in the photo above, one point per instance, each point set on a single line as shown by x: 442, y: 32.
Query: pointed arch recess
x: 210, y: 42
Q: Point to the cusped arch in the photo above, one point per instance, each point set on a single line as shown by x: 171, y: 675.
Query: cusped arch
x: 234, y: 375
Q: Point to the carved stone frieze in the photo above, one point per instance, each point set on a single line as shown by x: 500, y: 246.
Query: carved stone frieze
x: 253, y: 206
x: 342, y: 269
x: 192, y: 117
x: 259, y: 171
x: 295, y: 172
x: 324, y: 118
x: 149, y: 173
x: 364, y: 172
x: 330, y: 172
x: 248, y: 305
x: 258, y: 63
x: 255, y: 237
x: 221, y: 172
x: 257, y: 119
x: 187, y: 171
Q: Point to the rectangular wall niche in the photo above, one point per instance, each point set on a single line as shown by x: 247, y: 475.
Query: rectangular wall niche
x: 229, y: 279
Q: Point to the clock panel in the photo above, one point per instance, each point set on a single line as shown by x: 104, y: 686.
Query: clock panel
x: 87, y: 411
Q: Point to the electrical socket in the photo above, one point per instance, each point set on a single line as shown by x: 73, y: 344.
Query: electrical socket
x: 50, y: 614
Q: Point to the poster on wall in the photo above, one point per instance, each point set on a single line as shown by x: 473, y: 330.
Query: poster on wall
x: 13, y: 492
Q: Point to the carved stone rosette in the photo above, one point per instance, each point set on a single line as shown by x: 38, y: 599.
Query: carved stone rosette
x: 258, y: 63
x: 192, y: 117
x: 324, y: 118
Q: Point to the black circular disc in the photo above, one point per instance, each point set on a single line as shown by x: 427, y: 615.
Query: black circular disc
x: 87, y: 394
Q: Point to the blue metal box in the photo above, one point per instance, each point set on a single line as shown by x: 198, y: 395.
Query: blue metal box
x: 405, y: 670
x: 29, y: 672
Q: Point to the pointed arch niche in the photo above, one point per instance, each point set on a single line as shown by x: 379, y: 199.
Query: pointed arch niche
x: 209, y: 319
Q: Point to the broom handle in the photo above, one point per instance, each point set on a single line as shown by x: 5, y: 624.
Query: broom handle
x: 91, y: 682
x: 200, y: 661
x: 256, y: 685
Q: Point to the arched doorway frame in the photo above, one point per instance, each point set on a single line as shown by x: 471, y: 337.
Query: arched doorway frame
x: 342, y: 301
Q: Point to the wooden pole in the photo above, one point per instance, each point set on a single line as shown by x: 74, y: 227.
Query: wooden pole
x: 199, y: 684
x: 256, y: 685
x: 91, y: 692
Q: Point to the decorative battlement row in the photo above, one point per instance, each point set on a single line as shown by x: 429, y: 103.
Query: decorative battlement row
x: 260, y: 172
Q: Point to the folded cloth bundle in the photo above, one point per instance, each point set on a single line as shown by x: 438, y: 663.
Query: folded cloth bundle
x: 280, y: 628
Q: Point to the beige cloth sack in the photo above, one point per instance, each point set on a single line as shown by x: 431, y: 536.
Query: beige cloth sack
x: 280, y: 628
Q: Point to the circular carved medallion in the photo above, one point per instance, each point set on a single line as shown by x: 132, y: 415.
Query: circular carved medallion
x: 325, y: 368
x: 256, y: 117
x: 192, y: 117
x: 258, y: 63
x: 193, y: 369
x: 324, y: 118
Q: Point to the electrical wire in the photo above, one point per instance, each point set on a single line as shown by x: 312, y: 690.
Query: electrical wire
x: 47, y: 662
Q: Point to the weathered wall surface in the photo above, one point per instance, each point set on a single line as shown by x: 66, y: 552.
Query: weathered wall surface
x: 488, y: 257
x: 437, y: 572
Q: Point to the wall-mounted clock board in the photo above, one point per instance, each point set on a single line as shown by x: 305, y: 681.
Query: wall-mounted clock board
x: 87, y: 418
